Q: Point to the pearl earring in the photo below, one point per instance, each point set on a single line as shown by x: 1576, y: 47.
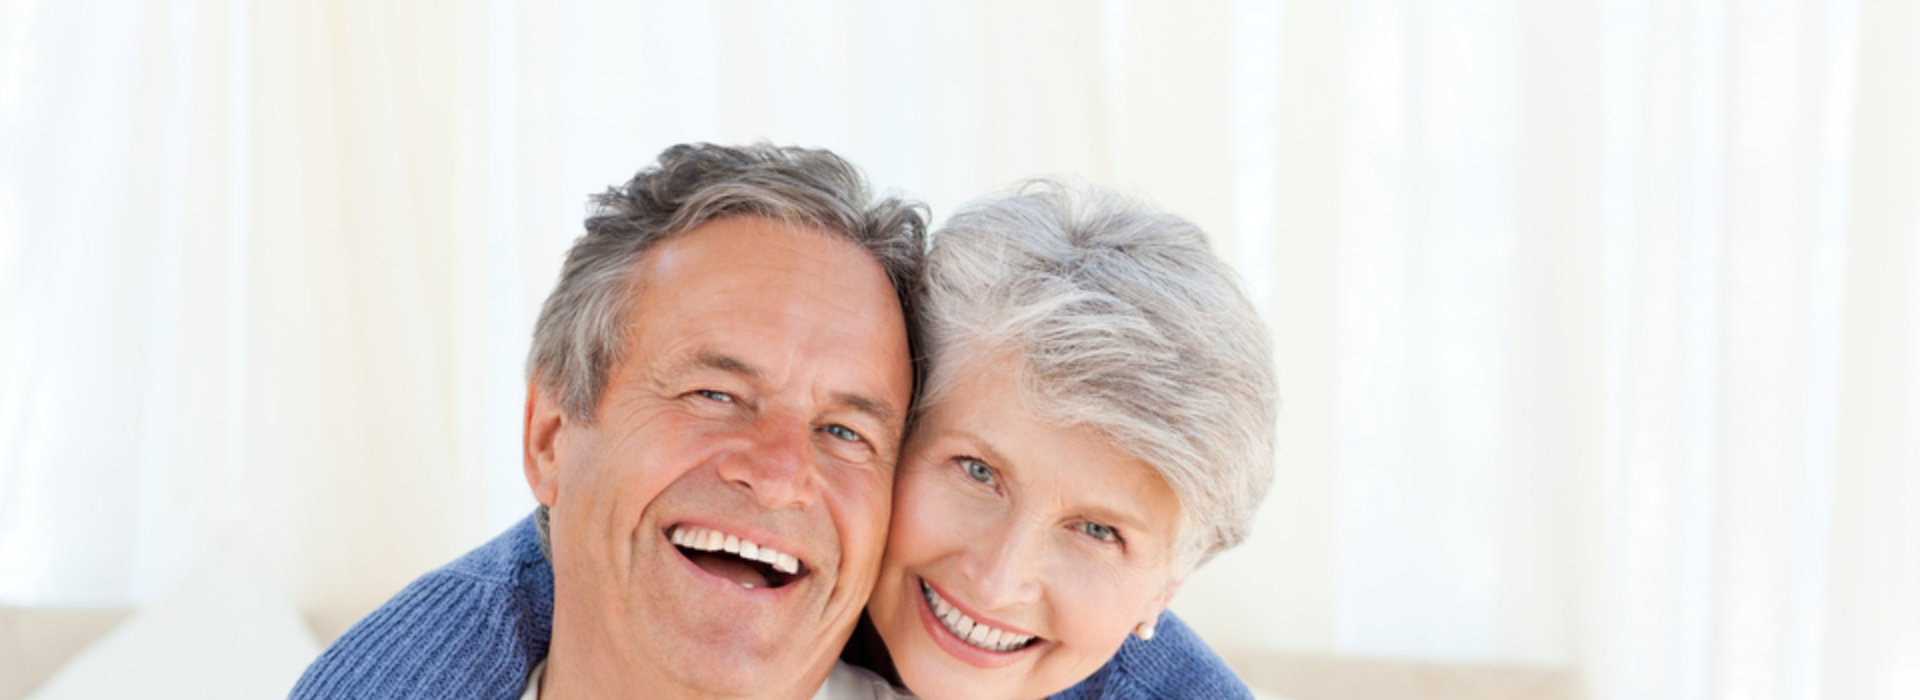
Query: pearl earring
x: 1144, y: 631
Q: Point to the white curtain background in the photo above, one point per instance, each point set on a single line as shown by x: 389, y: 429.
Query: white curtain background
x: 1596, y: 320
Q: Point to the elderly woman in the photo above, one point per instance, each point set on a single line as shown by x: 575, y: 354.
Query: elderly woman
x: 1096, y: 423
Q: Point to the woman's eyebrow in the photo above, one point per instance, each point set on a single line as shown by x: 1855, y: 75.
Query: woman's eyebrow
x: 992, y: 456
x: 1121, y: 517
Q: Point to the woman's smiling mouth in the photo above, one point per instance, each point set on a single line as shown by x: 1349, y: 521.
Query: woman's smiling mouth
x: 976, y: 634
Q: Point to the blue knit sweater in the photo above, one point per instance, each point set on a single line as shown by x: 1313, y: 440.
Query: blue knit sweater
x: 475, y: 628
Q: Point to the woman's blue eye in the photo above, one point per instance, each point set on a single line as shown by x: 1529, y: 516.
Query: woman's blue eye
x: 720, y: 396
x: 1100, y: 532
x: 843, y: 432
x: 978, y: 472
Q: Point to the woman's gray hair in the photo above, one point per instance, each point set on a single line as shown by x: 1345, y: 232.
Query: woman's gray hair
x: 1121, y: 320
x: 579, y: 337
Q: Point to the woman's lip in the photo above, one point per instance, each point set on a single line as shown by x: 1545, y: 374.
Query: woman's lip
x: 977, y: 616
x: 958, y: 648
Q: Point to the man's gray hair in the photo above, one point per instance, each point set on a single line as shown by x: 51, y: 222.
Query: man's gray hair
x: 578, y: 339
x: 1120, y: 320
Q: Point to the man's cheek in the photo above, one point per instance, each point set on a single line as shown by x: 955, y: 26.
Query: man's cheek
x: 875, y: 510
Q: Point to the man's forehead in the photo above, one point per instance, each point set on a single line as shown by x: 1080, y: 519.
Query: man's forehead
x: 721, y: 258
x: 773, y: 302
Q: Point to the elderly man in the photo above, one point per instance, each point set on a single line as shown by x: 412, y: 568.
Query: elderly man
x: 717, y: 391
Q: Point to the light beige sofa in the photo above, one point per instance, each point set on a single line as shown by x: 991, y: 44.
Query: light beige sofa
x: 1314, y: 677
x: 35, y: 642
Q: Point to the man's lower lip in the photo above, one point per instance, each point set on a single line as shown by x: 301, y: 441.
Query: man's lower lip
x: 953, y: 645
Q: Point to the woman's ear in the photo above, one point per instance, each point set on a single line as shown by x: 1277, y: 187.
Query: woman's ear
x: 1166, y: 596
x: 540, y: 443
x: 1145, y: 629
x: 1158, y: 605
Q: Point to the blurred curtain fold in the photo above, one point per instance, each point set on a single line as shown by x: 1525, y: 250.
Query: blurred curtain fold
x: 1595, y: 320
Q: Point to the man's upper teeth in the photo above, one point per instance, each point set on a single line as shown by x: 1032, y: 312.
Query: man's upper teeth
x: 709, y: 540
x: 968, y: 629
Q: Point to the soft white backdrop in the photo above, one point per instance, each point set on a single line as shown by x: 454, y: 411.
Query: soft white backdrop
x: 1596, y: 321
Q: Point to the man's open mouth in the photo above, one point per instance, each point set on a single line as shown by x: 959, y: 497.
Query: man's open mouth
x: 740, y: 561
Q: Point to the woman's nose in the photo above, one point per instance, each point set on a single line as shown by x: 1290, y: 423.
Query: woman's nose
x: 1010, y: 560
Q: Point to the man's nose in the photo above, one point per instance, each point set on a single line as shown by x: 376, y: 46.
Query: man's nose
x: 778, y: 466
x: 1010, y: 560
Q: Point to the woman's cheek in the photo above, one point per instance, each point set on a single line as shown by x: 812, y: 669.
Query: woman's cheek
x: 918, y: 514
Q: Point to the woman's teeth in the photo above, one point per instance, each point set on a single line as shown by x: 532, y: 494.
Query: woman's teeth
x: 964, y: 627
x: 706, y: 540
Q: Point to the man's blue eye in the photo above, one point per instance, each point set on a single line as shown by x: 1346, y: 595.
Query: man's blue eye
x: 720, y: 396
x: 978, y: 472
x: 843, y: 432
x: 1100, y: 532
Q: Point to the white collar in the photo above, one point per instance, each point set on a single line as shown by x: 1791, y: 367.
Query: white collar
x: 844, y: 683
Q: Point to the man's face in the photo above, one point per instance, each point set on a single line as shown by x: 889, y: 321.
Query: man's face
x: 761, y: 400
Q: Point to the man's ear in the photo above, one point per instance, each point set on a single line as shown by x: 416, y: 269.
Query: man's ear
x: 540, y: 442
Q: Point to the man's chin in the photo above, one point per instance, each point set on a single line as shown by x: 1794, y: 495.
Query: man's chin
x: 728, y: 656
x: 756, y: 678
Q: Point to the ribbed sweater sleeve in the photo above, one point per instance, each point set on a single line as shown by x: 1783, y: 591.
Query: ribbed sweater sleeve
x: 1176, y: 664
x: 471, y: 629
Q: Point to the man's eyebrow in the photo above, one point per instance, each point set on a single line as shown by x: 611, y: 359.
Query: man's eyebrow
x: 726, y: 363
x: 733, y: 365
x: 879, y: 411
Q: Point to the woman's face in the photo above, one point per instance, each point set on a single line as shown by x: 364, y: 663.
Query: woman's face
x: 1021, y: 554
